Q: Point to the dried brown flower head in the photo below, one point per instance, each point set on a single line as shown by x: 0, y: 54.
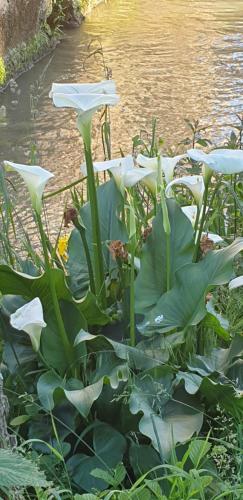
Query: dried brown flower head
x: 70, y: 215
x: 206, y: 244
x: 118, y: 250
x: 147, y: 232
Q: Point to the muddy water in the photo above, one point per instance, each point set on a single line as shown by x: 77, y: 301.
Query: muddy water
x: 172, y: 59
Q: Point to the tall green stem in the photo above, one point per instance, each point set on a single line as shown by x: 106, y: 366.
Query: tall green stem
x: 168, y: 284
x: 98, y: 254
x: 132, y: 295
x: 87, y: 255
x: 167, y: 230
x: 61, y: 328
x: 202, y: 220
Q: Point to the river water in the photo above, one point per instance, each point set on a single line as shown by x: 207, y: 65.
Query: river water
x: 173, y: 59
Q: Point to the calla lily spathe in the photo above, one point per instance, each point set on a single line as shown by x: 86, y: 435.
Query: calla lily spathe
x: 224, y: 161
x: 35, y: 179
x: 29, y: 318
x: 166, y: 163
x: 194, y: 183
x: 236, y: 282
x: 191, y: 212
x: 86, y: 98
x: 125, y: 173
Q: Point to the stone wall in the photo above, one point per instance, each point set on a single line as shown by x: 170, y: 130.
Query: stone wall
x: 20, y: 20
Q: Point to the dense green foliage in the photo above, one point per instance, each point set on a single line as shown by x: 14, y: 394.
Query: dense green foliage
x: 117, y: 388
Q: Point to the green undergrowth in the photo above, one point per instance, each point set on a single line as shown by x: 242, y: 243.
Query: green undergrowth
x: 22, y: 57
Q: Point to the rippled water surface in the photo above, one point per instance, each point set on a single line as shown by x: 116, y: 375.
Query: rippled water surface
x: 172, y: 59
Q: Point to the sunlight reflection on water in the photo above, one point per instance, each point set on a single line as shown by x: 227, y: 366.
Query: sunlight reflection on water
x: 171, y: 59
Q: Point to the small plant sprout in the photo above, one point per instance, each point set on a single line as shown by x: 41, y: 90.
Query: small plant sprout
x: 29, y: 318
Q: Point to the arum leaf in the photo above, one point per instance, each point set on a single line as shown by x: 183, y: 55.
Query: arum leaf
x: 192, y: 381
x: 110, y: 202
x: 180, y: 307
x: 151, y: 281
x: 166, y: 422
x: 109, y: 447
x: 16, y: 283
x: 143, y: 458
x: 83, y: 399
x: 136, y: 357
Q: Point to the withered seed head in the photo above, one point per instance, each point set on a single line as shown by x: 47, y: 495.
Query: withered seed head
x: 146, y: 233
x: 206, y: 244
x: 118, y: 250
x: 70, y: 215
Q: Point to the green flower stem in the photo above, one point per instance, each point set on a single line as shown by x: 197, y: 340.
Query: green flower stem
x: 168, y: 263
x: 202, y: 220
x: 98, y: 254
x: 167, y: 230
x: 196, y: 222
x: 65, y: 188
x: 81, y: 231
x: 132, y: 294
x: 61, y: 328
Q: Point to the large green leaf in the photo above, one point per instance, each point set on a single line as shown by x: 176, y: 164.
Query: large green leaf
x: 16, y: 283
x: 151, y: 280
x: 218, y: 377
x: 219, y: 360
x: 136, y: 357
x: 109, y: 447
x: 143, y: 458
x: 82, y: 398
x: 110, y: 202
x: 165, y: 421
x: 17, y: 471
x: 184, y: 305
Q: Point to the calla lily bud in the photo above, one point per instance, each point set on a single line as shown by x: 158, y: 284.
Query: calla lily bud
x: 29, y: 318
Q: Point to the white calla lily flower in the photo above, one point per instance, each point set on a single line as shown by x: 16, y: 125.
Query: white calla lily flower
x: 215, y: 238
x: 194, y: 183
x: 29, y: 318
x: 35, y: 179
x: 236, y: 282
x: 166, y: 163
x: 224, y: 161
x: 191, y: 212
x: 123, y: 170
x: 86, y: 98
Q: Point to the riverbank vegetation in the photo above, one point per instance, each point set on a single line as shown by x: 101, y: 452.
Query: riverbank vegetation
x: 122, y: 339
